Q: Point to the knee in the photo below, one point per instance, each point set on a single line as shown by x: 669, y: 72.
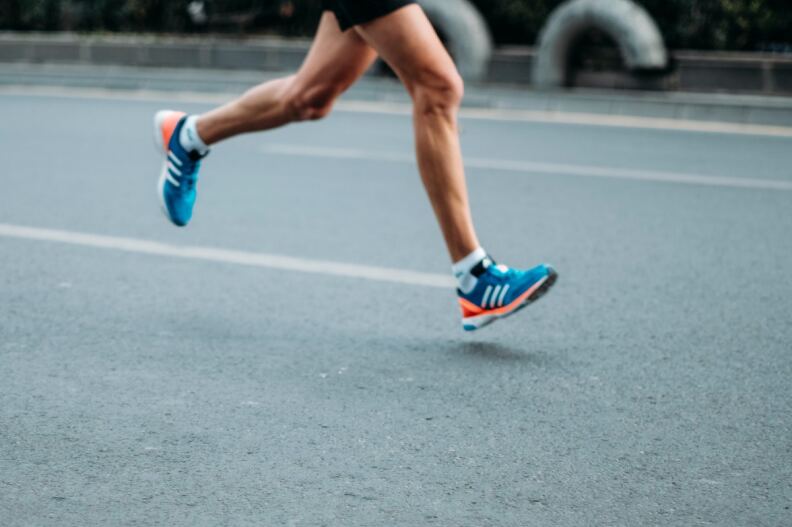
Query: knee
x: 439, y: 93
x: 311, y: 103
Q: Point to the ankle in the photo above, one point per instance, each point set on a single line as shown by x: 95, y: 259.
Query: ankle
x: 190, y: 139
x: 465, y: 270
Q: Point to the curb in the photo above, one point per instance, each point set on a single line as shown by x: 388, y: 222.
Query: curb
x: 266, y: 54
x: 739, y: 109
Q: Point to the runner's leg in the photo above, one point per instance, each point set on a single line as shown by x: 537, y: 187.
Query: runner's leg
x: 406, y: 40
x: 335, y: 61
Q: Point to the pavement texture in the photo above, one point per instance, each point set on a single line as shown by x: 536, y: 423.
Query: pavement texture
x: 651, y: 387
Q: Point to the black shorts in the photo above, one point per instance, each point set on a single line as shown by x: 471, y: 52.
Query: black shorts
x: 353, y: 12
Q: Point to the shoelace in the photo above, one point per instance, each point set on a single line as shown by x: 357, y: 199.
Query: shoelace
x: 188, y: 181
x: 497, y: 276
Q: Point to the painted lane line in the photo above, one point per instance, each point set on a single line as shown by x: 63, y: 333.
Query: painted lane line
x: 107, y: 94
x: 405, y: 109
x: 581, y: 119
x: 269, y: 261
x: 530, y: 167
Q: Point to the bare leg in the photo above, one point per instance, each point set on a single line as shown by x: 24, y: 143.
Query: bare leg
x: 406, y: 40
x: 335, y: 61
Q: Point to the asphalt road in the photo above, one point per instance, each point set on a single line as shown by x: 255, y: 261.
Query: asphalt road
x: 652, y: 387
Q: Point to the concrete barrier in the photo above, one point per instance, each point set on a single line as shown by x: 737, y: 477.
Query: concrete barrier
x: 465, y: 33
x: 632, y: 28
x: 694, y: 71
x: 263, y: 53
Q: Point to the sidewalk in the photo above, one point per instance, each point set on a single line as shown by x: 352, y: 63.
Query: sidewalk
x: 739, y: 109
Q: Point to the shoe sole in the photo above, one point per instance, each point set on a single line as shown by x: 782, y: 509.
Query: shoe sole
x: 539, y: 290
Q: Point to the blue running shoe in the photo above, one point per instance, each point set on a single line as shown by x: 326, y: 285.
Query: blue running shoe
x: 179, y: 174
x: 501, y: 291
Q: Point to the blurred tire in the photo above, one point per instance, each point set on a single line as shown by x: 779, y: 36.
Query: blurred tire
x: 465, y: 34
x: 634, y: 31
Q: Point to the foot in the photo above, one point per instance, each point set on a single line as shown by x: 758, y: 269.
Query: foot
x: 179, y: 173
x: 501, y: 291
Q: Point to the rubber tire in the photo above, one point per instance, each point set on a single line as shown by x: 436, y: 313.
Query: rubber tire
x: 466, y: 35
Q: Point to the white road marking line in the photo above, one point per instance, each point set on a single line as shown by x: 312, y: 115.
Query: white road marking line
x: 576, y: 118
x: 106, y: 94
x: 405, y: 109
x: 530, y: 167
x: 336, y: 153
x: 269, y: 261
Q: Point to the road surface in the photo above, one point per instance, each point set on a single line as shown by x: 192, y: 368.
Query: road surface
x: 295, y: 357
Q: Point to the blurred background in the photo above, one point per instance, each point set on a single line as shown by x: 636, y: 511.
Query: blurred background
x: 717, y: 25
x: 740, y: 46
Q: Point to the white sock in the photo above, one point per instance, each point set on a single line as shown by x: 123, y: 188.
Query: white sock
x: 189, y: 138
x: 462, y: 270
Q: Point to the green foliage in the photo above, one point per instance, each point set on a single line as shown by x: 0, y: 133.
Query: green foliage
x: 691, y: 24
x: 722, y: 24
x: 29, y: 14
x: 685, y: 24
x: 92, y: 15
x: 516, y: 21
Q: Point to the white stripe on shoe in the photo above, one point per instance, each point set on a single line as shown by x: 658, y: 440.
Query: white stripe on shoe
x: 486, y: 296
x: 494, y: 297
x: 170, y: 177
x: 174, y: 169
x: 503, y: 294
x: 173, y: 158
